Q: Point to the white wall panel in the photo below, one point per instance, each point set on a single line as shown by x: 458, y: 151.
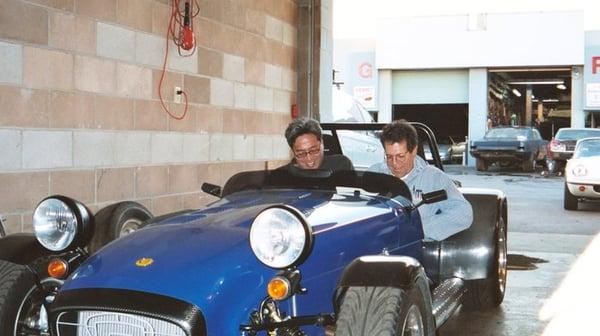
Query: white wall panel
x: 504, y: 39
x: 430, y: 87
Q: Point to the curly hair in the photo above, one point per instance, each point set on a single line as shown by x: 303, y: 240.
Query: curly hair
x: 398, y: 131
x: 300, y: 127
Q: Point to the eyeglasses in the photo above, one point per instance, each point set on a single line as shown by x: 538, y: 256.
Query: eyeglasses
x: 311, y: 151
x: 396, y: 157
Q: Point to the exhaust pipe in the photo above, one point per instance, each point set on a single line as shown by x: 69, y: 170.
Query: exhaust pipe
x: 446, y: 299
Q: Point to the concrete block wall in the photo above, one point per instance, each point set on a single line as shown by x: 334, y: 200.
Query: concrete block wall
x: 80, y: 113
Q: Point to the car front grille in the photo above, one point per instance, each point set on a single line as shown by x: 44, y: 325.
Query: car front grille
x: 102, y: 323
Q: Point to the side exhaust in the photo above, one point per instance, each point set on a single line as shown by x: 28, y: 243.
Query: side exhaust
x: 446, y: 299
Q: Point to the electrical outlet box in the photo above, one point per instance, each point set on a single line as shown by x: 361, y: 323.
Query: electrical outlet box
x: 177, y: 95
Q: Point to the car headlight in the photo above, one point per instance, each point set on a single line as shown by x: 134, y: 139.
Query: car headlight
x: 280, y: 237
x: 61, y: 223
x: 579, y: 170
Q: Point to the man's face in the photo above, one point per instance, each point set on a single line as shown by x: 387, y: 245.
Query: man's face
x: 398, y: 158
x: 308, y: 151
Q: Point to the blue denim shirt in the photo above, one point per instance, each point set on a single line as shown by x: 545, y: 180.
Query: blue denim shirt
x: 442, y: 219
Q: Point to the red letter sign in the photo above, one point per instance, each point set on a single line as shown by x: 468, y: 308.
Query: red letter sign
x: 595, y: 63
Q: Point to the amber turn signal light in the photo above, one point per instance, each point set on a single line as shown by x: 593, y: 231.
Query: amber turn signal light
x: 278, y: 288
x: 57, y: 268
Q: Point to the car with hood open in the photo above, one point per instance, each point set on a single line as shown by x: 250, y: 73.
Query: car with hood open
x: 281, y: 252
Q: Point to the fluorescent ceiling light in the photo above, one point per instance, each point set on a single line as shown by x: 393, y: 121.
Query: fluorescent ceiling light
x: 516, y: 92
x: 540, y: 82
x: 551, y: 100
x: 561, y: 87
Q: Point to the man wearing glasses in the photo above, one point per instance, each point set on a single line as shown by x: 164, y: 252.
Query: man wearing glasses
x: 305, y: 137
x: 440, y: 220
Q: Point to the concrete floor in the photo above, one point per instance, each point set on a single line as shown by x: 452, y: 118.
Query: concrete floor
x: 544, y: 244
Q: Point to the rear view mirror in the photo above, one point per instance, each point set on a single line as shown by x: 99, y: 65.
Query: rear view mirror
x: 211, y: 189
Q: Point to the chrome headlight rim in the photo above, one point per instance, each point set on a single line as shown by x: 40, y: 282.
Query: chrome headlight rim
x: 308, y: 234
x: 84, y: 223
x: 579, y: 170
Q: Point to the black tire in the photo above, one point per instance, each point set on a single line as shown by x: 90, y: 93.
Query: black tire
x: 570, y: 202
x: 528, y: 165
x: 118, y: 220
x: 481, y: 165
x: 383, y: 311
x: 19, y: 299
x: 489, y: 293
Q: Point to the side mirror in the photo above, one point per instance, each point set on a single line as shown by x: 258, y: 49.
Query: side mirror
x: 211, y: 189
x: 432, y: 197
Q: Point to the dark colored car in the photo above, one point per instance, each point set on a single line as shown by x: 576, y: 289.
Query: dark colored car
x: 562, y: 145
x: 285, y: 252
x: 516, y: 145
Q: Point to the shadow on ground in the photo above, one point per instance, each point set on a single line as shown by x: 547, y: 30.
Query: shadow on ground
x: 520, y: 262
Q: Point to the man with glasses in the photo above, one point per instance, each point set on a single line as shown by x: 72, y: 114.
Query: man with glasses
x: 305, y: 137
x: 440, y: 220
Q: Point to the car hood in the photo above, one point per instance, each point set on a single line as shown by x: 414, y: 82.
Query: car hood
x: 195, y: 256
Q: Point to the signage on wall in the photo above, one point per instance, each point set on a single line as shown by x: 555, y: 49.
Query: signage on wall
x: 591, y: 77
x: 592, y: 95
x: 595, y: 64
x: 365, y: 70
x: 365, y: 95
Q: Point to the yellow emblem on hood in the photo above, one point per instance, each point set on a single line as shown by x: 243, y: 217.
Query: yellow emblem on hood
x: 144, y: 262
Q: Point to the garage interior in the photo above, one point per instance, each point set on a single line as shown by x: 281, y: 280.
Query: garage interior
x: 537, y: 97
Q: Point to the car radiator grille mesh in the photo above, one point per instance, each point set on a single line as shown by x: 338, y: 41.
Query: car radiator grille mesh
x: 101, y: 323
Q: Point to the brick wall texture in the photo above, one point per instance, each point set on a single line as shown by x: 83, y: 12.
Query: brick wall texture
x: 80, y: 113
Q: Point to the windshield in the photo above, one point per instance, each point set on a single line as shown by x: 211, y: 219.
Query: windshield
x: 576, y: 134
x: 316, y: 179
x: 507, y: 133
x: 587, y: 148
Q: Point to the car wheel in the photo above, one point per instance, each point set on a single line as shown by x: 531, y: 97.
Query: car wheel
x: 481, y: 165
x: 570, y: 201
x: 118, y: 220
x: 384, y: 311
x: 489, y: 293
x: 528, y: 165
x: 21, y: 301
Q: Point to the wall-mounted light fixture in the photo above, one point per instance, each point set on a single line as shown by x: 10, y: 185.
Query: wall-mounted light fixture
x: 561, y: 87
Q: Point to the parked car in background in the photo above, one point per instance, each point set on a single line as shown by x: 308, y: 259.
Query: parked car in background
x: 445, y: 150
x: 281, y: 252
x: 582, y: 173
x: 562, y: 145
x: 510, y: 145
x: 458, y: 148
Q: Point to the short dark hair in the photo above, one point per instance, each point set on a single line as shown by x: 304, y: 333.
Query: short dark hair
x: 398, y: 131
x: 300, y: 127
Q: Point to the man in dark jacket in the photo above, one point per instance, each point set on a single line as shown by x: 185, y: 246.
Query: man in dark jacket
x: 305, y: 137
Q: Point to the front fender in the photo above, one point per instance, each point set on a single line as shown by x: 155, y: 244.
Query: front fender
x: 21, y: 248
x: 381, y: 271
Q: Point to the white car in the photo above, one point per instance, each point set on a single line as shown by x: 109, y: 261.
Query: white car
x: 582, y: 174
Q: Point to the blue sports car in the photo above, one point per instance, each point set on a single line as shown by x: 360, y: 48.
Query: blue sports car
x: 281, y: 253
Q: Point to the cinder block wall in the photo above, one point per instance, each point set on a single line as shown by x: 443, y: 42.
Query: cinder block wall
x: 79, y: 109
